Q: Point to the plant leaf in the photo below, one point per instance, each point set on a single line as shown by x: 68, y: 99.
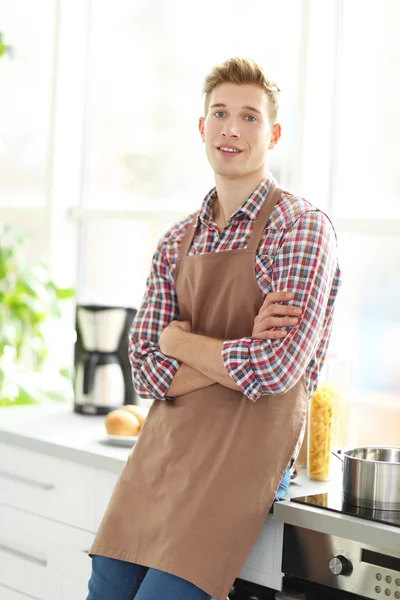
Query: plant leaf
x: 64, y: 293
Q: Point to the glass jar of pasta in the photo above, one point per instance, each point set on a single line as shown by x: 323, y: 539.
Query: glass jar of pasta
x: 326, y: 416
x: 320, y: 430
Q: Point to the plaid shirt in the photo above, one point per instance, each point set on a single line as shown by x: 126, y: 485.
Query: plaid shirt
x: 297, y: 253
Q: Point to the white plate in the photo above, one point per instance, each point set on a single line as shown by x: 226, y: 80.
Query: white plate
x: 122, y: 440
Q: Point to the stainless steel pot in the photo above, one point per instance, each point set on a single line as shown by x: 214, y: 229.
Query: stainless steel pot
x: 371, y: 476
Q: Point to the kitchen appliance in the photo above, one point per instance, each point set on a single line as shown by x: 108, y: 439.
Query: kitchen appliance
x: 371, y: 476
x: 246, y: 590
x: 333, y: 550
x: 103, y: 379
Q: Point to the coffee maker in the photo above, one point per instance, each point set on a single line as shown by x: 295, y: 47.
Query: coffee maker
x: 103, y: 379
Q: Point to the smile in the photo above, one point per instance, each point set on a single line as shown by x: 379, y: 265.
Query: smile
x: 229, y: 150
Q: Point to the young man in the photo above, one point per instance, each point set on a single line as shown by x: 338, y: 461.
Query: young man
x: 230, y: 390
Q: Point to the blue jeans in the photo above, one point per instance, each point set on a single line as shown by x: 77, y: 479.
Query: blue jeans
x: 283, y: 486
x: 113, y: 579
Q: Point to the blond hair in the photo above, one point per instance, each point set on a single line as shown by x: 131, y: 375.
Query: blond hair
x: 241, y: 71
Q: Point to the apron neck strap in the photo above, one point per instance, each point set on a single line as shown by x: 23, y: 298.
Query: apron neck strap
x: 187, y: 238
x: 273, y: 195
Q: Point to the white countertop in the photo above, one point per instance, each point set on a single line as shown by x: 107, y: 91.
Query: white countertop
x: 56, y: 430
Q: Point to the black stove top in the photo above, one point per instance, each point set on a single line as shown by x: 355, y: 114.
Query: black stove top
x: 332, y: 501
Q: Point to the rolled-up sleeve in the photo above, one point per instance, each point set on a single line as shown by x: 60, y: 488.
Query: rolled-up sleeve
x: 153, y: 371
x: 305, y: 264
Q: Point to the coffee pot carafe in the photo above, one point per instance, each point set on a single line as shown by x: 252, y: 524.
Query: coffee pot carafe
x: 103, y: 379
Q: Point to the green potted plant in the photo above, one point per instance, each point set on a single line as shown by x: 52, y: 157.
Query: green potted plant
x: 29, y: 304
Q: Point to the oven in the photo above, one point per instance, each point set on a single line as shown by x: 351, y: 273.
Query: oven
x: 335, y: 551
x: 323, y: 566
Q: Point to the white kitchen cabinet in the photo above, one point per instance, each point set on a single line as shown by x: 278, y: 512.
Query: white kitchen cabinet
x: 70, y: 564
x: 8, y: 594
x: 70, y: 574
x: 24, y: 552
x: 74, y: 588
x: 48, y: 486
x: 49, y: 512
x: 41, y: 558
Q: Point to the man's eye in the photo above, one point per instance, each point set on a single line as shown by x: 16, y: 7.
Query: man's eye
x: 219, y: 114
x: 250, y: 118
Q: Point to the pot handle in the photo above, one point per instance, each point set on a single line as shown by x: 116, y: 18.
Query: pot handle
x: 338, y: 453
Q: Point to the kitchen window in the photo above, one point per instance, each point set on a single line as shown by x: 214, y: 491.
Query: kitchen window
x: 116, y: 156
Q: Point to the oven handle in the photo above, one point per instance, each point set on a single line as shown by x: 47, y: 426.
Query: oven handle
x: 289, y: 596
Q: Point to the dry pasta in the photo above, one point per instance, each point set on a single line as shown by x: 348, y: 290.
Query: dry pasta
x: 320, y: 432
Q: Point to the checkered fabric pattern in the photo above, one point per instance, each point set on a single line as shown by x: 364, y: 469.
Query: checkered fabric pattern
x: 297, y: 253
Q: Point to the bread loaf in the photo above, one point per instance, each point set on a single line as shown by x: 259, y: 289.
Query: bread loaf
x: 135, y: 411
x: 122, y: 422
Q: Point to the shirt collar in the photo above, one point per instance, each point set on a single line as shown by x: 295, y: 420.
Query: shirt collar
x: 251, y: 207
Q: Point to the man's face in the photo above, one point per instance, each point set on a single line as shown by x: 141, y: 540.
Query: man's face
x: 236, y: 130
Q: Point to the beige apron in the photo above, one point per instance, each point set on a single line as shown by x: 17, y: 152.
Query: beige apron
x: 199, y: 483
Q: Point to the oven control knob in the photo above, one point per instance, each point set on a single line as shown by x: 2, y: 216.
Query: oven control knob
x: 340, y: 565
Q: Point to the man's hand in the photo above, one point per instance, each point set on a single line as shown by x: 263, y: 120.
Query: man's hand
x: 267, y: 319
x: 169, y: 336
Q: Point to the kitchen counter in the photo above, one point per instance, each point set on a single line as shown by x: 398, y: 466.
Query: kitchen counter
x: 55, y: 430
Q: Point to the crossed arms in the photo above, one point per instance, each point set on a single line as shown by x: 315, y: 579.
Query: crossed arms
x: 201, y: 356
